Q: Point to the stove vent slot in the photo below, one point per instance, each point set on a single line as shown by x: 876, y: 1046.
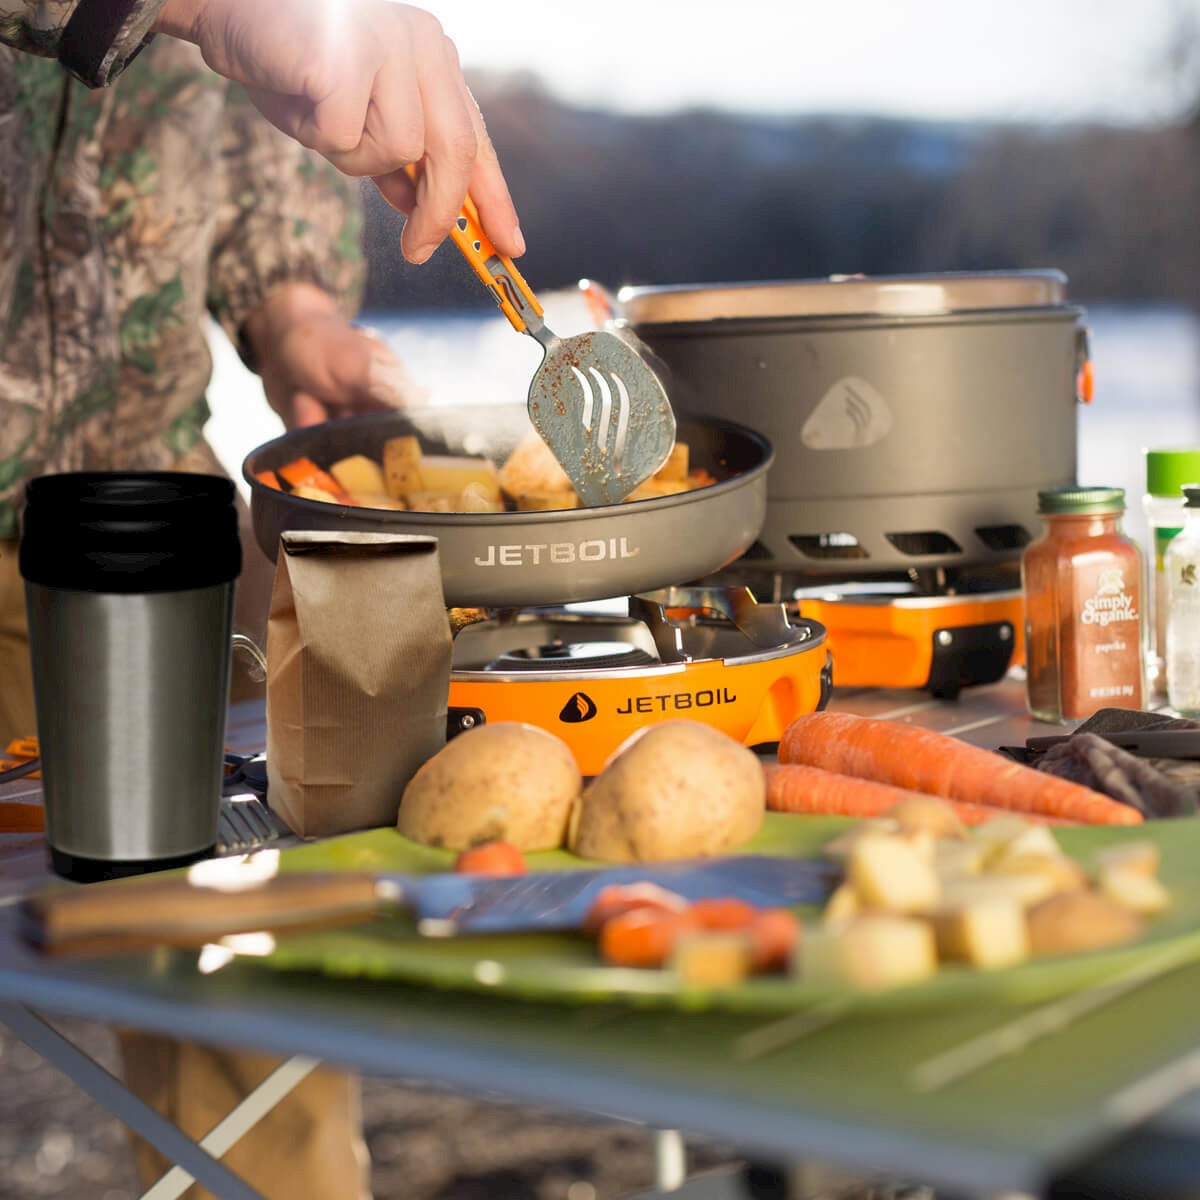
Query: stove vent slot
x: 1003, y: 537
x: 925, y: 542
x: 828, y: 545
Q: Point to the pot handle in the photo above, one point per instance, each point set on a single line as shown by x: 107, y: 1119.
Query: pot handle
x: 257, y: 668
x: 1085, y: 373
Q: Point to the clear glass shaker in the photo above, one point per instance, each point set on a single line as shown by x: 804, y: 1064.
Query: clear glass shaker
x: 1181, y: 570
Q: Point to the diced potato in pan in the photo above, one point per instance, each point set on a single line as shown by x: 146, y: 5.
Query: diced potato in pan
x: 546, y: 501
x: 676, y: 466
x: 401, y: 466
x: 358, y: 473
x: 308, y: 492
x: 430, y: 502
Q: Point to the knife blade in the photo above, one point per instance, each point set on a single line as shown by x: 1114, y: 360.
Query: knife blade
x: 203, y: 906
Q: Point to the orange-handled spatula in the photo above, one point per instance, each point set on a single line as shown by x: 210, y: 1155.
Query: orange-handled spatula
x: 594, y: 399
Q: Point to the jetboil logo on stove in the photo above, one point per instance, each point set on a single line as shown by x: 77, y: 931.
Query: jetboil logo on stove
x: 581, y: 707
x: 557, y: 553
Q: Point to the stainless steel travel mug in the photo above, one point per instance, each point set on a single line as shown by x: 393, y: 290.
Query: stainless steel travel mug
x: 129, y: 583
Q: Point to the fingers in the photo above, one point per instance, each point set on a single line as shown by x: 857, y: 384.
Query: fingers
x: 450, y: 148
x: 306, y: 410
x: 490, y: 191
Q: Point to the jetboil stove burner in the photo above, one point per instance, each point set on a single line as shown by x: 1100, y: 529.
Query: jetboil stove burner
x: 594, y: 677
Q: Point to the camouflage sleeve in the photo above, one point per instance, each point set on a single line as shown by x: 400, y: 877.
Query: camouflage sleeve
x: 285, y: 215
x: 38, y: 27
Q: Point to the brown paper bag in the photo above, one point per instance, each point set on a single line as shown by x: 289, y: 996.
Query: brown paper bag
x: 358, y: 674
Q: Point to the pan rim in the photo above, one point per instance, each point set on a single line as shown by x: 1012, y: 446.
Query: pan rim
x: 518, y: 519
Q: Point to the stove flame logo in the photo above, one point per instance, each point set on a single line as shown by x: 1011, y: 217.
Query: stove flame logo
x: 581, y: 707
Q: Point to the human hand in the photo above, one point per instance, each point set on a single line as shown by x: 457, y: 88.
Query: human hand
x: 372, y: 85
x: 315, y: 365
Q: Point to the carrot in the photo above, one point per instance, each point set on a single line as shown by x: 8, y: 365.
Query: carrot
x: 774, y: 934
x: 303, y: 472
x: 491, y: 858
x: 270, y: 479
x: 722, y: 914
x: 620, y: 898
x: 924, y: 761
x: 795, y: 788
x: 643, y: 937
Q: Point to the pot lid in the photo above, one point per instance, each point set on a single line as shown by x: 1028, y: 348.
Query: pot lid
x: 845, y: 295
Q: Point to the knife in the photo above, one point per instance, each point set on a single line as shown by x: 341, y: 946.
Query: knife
x: 1150, y: 743
x: 227, y: 896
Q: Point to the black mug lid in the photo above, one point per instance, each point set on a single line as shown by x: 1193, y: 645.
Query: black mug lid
x: 129, y: 531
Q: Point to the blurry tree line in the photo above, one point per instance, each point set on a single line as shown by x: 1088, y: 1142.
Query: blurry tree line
x: 707, y: 196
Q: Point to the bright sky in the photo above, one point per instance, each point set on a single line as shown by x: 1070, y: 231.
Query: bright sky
x: 1027, y: 60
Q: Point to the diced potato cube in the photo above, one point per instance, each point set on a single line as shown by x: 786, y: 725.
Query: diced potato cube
x: 887, y: 873
x: 546, y: 501
x: 999, y: 831
x: 1061, y: 873
x: 922, y: 842
x: 476, y: 498
x: 307, y: 492
x: 989, y: 933
x: 451, y: 474
x: 842, y: 906
x: 1132, y: 889
x: 878, y: 950
x: 358, y: 473
x: 423, y: 501
x: 712, y: 959
x: 1035, y: 839
x: 402, y: 466
x: 839, y: 848
x: 1076, y: 921
x: 957, y: 858
x: 1025, y: 890
x: 929, y: 813
x: 378, y: 500
x: 655, y: 487
x: 676, y: 466
x: 1134, y: 856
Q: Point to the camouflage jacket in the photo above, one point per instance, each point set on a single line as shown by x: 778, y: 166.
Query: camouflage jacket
x: 125, y: 214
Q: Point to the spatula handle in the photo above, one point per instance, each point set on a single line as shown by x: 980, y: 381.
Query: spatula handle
x: 171, y: 911
x: 497, y: 271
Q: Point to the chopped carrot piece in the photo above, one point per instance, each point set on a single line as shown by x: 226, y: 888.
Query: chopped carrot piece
x: 722, y: 913
x: 643, y: 937
x: 620, y: 898
x: 303, y: 472
x: 774, y: 935
x: 270, y: 479
x: 492, y: 858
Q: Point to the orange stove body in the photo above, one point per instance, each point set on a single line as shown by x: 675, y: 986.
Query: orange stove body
x: 920, y: 641
x: 753, y: 701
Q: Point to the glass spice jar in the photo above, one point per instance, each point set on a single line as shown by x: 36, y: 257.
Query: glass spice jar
x: 1083, y: 611
x: 1181, y: 570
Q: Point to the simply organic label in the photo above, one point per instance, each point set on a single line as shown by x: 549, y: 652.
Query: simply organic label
x: 1110, y: 603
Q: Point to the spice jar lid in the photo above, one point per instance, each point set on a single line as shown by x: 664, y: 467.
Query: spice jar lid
x: 1081, y: 501
x: 1191, y: 495
x: 1167, y: 471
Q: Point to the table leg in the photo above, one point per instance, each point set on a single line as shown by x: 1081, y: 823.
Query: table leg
x: 247, y: 1113
x: 110, y: 1092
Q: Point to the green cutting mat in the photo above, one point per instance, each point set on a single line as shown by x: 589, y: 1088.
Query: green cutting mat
x: 565, y: 967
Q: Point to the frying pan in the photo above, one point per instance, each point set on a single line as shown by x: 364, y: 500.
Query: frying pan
x: 522, y: 559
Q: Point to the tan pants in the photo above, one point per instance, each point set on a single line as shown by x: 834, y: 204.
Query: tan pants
x: 310, y: 1144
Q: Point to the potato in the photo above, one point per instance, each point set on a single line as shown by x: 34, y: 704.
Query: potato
x: 401, y: 466
x: 1077, y: 921
x: 839, y: 849
x: 928, y: 814
x: 1061, y: 873
x: 532, y: 470
x: 1025, y: 890
x: 1141, y: 857
x: 422, y: 501
x: 878, y: 950
x: 655, y: 487
x: 452, y: 474
x: 1033, y: 840
x: 476, y: 497
x: 546, y: 501
x: 508, y: 782
x: 358, y: 473
x: 680, y: 789
x: 306, y: 491
x: 888, y: 873
x: 378, y: 500
x: 842, y: 906
x: 1132, y: 889
x: 956, y: 858
x: 988, y: 934
x: 676, y: 466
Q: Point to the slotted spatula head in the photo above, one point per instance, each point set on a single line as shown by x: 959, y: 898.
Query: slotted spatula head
x: 595, y: 400
x: 603, y: 411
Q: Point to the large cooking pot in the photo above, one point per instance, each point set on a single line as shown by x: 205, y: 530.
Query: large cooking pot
x: 913, y: 418
x: 515, y: 559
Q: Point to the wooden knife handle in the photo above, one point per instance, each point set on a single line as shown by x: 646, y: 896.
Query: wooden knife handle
x: 171, y: 911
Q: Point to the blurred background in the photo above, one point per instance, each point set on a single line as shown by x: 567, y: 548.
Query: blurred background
x: 663, y: 141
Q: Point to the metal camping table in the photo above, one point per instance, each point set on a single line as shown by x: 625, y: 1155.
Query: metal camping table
x: 983, y: 1100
